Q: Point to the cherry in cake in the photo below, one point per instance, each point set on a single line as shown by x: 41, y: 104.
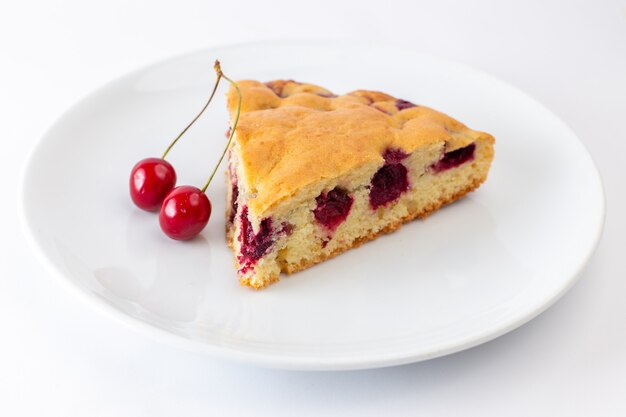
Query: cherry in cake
x: 313, y: 174
x: 332, y: 208
x: 390, y: 181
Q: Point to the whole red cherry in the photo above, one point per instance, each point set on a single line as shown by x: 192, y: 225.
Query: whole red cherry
x: 185, y: 212
x: 151, y: 179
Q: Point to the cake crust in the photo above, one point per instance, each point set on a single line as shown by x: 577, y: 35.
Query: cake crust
x: 291, y: 135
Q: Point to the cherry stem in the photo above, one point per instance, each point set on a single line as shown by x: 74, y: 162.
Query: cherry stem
x: 217, y: 82
x: 220, y: 74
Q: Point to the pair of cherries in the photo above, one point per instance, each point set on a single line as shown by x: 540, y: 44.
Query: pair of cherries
x: 184, y: 210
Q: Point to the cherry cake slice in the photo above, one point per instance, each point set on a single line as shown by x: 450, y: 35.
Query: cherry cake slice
x: 313, y: 174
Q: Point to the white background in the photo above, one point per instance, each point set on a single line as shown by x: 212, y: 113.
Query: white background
x: 58, y: 357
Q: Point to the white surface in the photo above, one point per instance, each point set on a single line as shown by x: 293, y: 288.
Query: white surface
x: 468, y: 274
x: 61, y: 358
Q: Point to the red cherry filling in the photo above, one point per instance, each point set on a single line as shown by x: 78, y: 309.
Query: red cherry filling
x: 333, y: 208
x: 389, y: 181
x: 387, y: 184
x: 278, y: 86
x: 233, y: 202
x: 454, y: 159
x: 254, y: 246
x: 394, y: 156
x: 403, y: 104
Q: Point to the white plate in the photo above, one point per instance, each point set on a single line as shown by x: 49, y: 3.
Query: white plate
x: 470, y: 272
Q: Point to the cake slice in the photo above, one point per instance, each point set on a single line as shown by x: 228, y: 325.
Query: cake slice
x: 312, y: 174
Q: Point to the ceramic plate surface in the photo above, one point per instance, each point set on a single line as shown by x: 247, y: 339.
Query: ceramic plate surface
x: 470, y: 272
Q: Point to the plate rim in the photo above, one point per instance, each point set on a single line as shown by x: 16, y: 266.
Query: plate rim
x: 300, y: 362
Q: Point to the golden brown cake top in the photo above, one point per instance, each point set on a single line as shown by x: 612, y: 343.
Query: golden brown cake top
x: 292, y: 134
